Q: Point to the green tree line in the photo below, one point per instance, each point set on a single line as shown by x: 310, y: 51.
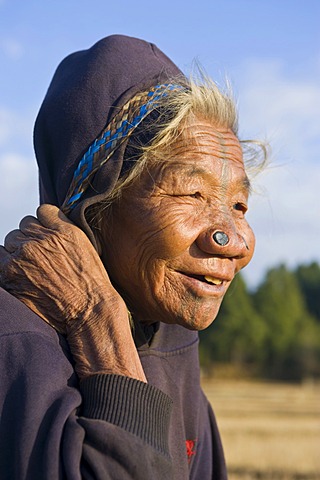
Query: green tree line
x: 272, y: 332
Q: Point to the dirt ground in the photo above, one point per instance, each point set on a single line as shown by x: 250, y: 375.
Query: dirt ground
x: 269, y: 430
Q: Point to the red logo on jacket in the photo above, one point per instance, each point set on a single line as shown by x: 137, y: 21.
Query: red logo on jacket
x: 190, y: 446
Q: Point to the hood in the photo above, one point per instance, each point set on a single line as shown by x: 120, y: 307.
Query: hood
x: 87, y: 90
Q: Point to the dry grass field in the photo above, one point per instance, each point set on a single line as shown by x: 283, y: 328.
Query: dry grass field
x: 269, y: 431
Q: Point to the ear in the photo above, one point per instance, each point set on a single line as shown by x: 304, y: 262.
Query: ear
x: 94, y: 222
x: 98, y: 241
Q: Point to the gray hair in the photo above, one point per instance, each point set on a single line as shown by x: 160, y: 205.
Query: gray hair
x: 201, y: 98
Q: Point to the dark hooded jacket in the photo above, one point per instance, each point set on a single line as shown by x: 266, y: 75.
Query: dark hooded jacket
x: 109, y: 427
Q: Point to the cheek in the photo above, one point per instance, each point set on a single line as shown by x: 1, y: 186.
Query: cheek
x: 249, y: 237
x: 142, y: 240
x: 171, y: 230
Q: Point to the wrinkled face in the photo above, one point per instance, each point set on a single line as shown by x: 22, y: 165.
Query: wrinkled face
x: 158, y: 245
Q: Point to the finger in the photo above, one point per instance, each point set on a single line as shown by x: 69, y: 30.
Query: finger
x: 4, y: 255
x: 30, y: 226
x: 14, y: 240
x: 52, y: 217
x: 47, y: 222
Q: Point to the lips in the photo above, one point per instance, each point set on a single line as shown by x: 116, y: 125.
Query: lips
x: 205, y: 286
x: 205, y: 278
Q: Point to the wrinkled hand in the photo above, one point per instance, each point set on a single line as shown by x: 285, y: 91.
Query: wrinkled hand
x: 42, y: 264
x: 52, y: 267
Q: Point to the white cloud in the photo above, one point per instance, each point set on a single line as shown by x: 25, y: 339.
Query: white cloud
x: 12, y: 48
x: 286, y: 110
x: 15, y: 129
x: 286, y: 217
x: 18, y: 190
x: 7, y: 121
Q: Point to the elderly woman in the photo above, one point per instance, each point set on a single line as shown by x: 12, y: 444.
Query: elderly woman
x: 149, y: 166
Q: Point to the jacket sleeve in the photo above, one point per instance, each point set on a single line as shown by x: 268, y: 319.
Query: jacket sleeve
x: 110, y: 427
x: 218, y: 459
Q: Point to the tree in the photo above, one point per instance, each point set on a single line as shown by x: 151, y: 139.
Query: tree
x: 291, y: 343
x: 309, y: 281
x: 238, y: 333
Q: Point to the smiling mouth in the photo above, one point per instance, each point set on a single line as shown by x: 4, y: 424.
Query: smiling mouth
x: 206, y: 279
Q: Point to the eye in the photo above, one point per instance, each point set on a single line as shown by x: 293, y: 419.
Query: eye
x: 240, y: 207
x: 194, y: 195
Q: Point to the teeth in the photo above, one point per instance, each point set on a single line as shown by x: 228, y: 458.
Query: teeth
x: 215, y: 281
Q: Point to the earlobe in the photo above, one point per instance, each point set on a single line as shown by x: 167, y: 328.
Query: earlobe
x: 98, y: 239
x: 95, y: 223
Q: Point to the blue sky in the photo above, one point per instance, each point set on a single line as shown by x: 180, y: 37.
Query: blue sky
x: 270, y: 50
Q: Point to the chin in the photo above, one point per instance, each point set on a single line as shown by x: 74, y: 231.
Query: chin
x: 201, y: 319
x: 198, y: 325
x: 195, y: 323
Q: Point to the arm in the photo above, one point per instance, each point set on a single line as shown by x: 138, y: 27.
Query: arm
x: 51, y: 266
x: 75, y: 429
x: 53, y: 429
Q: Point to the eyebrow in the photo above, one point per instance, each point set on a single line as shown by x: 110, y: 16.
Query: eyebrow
x: 194, y: 170
x: 246, y: 183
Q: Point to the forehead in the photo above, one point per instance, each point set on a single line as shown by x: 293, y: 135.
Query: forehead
x: 205, y: 150
x: 203, y: 137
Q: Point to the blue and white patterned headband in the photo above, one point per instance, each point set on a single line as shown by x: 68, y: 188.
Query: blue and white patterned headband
x: 120, y: 128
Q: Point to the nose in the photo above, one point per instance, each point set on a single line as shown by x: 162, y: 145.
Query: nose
x: 224, y: 241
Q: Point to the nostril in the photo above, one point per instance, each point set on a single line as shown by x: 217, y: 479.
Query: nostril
x: 220, y: 238
x: 246, y: 245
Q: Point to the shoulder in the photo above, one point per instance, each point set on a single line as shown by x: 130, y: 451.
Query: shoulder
x: 16, y: 318
x: 20, y: 328
x: 30, y: 348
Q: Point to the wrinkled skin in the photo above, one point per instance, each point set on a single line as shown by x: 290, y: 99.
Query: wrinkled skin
x: 157, y: 247
x: 51, y: 266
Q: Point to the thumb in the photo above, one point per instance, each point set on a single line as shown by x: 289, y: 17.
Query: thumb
x: 51, y: 216
x: 4, y: 255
